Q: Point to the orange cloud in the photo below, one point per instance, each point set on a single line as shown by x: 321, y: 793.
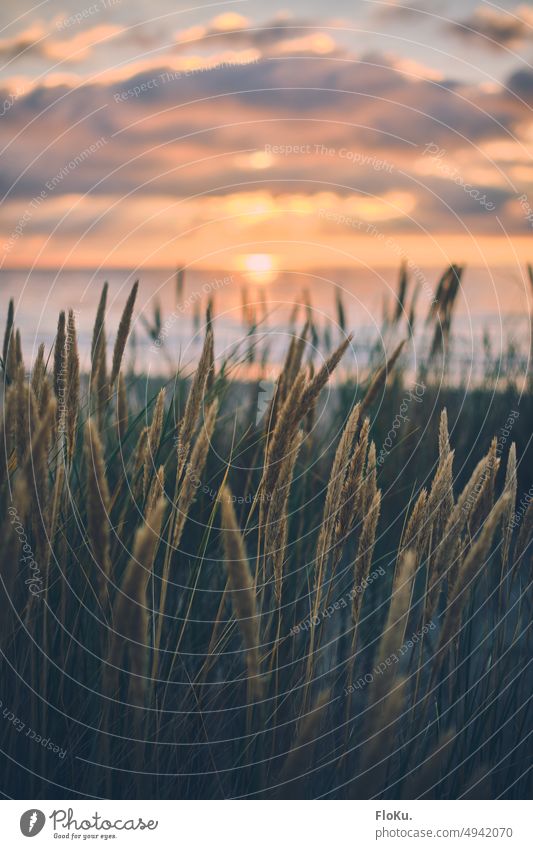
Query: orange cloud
x: 81, y: 45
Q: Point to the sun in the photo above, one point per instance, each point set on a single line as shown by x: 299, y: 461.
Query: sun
x: 260, y: 268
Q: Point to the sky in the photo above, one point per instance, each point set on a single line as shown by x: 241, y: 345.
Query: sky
x: 245, y: 135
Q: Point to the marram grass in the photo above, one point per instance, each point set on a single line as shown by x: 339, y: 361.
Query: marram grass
x: 192, y: 608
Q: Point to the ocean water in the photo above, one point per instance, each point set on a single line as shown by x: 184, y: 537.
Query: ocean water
x: 491, y: 310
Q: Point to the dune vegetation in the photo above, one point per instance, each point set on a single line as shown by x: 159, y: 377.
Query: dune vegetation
x: 333, y: 601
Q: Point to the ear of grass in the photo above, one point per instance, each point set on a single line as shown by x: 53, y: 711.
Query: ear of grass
x: 414, y: 532
x: 361, y: 569
x: 122, y: 408
x: 154, y: 439
x: 365, y: 549
x: 392, y: 637
x: 444, y: 454
x: 299, y: 402
x: 26, y: 415
x: 11, y: 364
x: 98, y: 521
x: 485, y: 497
x: 18, y: 349
x: 438, y: 512
x: 193, y: 473
x: 371, y: 478
x: 444, y: 439
x: 59, y: 357
x: 130, y: 609
x: 467, y: 570
x: 98, y: 377
x: 241, y: 585
x: 38, y: 373
x: 122, y: 334
x: 317, y: 383
x: 211, y: 371
x: 11, y: 555
x: 380, y: 378
x: 7, y: 432
x: 459, y: 590
x: 8, y: 332
x: 353, y: 495
x: 45, y: 397
x: 277, y: 522
x: 387, y: 692
x: 72, y: 398
x: 282, y: 435
x: 156, y: 491
x: 333, y: 504
x: 98, y: 339
x: 194, y: 404
x: 363, y: 560
x: 289, y: 373
x: 446, y: 557
x: 180, y: 511
x: 36, y: 470
x: 511, y: 488
x: 299, y: 759
x: 524, y: 537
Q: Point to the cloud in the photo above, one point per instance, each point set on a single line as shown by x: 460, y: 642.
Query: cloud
x: 197, y: 135
x: 43, y: 42
x: 521, y: 84
x: 496, y: 28
x: 274, y: 37
x: 29, y: 40
x: 194, y: 132
x: 403, y: 10
x: 227, y: 37
x: 81, y: 45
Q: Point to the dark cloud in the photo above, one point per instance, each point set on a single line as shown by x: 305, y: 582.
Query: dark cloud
x: 395, y: 10
x: 495, y: 28
x: 185, y: 136
x: 28, y: 42
x: 521, y: 83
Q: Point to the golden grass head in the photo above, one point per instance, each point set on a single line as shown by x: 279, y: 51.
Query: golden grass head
x: 98, y: 342
x: 98, y: 508
x: 194, y: 401
x: 300, y: 756
x: 122, y: 408
x: 317, y: 383
x: 187, y: 487
x: 123, y: 333
x: 460, y: 588
x: 72, y: 398
x: 276, y: 531
x: 380, y: 378
x: 242, y: 589
x: 154, y: 439
x: 365, y: 550
x: 59, y: 355
x: 8, y: 331
x: 156, y: 491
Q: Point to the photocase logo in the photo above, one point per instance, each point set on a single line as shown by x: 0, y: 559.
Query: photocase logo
x: 32, y: 822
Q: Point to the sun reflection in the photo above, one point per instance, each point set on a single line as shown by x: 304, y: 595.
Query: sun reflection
x: 259, y: 268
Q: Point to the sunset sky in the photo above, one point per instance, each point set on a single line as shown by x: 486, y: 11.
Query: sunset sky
x: 253, y: 136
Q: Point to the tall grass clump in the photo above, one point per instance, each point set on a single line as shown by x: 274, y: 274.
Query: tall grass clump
x: 196, y: 607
